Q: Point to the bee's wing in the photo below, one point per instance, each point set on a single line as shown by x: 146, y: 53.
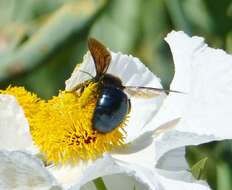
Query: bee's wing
x: 146, y: 92
x: 101, y: 56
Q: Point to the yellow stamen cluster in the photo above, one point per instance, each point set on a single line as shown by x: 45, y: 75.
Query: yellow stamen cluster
x: 62, y: 127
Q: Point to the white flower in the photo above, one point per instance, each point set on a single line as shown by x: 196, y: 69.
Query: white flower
x: 158, y: 129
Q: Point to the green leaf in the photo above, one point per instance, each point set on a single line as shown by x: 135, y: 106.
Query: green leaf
x: 177, y: 15
x: 224, y: 176
x: 20, y: 19
x: 99, y: 184
x: 229, y: 42
x: 197, y: 15
x: 63, y: 28
x: 118, y: 27
x: 199, y: 168
x: 151, y: 46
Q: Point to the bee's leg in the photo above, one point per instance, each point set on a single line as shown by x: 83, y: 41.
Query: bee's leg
x: 89, y: 92
x: 76, y: 88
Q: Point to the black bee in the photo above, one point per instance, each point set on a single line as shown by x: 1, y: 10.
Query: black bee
x: 113, y: 103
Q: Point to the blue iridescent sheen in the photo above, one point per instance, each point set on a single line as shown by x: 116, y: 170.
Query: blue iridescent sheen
x: 111, y: 109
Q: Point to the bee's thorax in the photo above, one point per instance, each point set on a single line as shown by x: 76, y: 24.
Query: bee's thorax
x: 110, y: 80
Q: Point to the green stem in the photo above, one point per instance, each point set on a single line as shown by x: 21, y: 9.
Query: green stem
x: 99, y: 184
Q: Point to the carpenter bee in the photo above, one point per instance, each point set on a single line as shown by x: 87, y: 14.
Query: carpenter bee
x: 113, y: 104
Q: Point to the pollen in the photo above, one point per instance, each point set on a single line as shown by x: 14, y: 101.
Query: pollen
x: 63, y: 128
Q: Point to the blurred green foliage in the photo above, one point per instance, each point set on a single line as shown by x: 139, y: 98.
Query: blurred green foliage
x: 41, y: 41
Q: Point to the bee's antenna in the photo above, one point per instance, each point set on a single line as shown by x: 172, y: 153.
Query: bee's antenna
x: 92, y: 77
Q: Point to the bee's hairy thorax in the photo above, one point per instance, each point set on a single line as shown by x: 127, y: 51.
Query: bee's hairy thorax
x: 110, y: 80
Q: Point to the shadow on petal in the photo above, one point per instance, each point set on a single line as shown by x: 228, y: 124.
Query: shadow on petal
x: 166, y: 127
x: 136, y: 145
x: 146, y: 138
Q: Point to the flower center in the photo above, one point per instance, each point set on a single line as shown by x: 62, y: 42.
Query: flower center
x: 62, y: 127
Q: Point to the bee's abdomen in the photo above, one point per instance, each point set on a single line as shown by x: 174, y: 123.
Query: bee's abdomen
x: 111, y: 109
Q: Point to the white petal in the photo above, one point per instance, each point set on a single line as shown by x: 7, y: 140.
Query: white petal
x: 204, y: 109
x: 173, y: 165
x: 14, y: 128
x: 141, y: 116
x: 173, y: 160
x: 108, y: 167
x: 19, y: 170
x: 68, y: 175
x: 118, y: 174
x: 175, y: 184
x: 140, y: 152
x: 78, y: 76
x: 132, y: 73
x: 74, y: 177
